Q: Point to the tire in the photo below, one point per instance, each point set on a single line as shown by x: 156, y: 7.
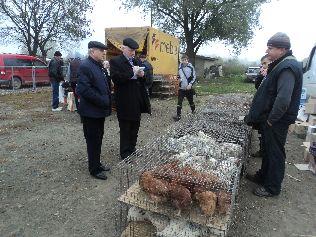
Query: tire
x: 16, y: 83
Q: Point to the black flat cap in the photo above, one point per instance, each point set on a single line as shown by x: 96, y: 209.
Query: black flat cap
x: 96, y: 44
x: 129, y: 42
x: 58, y: 54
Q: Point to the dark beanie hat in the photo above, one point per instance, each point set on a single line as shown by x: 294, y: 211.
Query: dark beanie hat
x: 57, y: 54
x: 279, y: 40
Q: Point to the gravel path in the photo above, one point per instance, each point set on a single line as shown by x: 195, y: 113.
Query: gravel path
x: 46, y: 189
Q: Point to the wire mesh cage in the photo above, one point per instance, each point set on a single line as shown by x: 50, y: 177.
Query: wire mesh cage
x: 184, y: 183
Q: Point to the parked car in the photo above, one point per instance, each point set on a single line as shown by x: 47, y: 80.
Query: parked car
x: 251, y: 74
x: 18, y: 69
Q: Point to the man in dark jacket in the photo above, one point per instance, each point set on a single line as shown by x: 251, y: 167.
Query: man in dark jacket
x: 148, y: 73
x: 130, y: 95
x: 72, y: 74
x: 56, y: 76
x: 95, y: 105
x: 260, y: 77
x: 274, y: 108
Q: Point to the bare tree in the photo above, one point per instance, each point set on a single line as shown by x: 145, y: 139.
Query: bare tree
x: 36, y: 24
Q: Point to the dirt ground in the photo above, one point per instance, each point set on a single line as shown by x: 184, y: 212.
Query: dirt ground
x: 46, y: 189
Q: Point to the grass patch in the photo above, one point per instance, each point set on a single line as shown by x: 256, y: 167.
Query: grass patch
x: 222, y: 85
x: 26, y: 100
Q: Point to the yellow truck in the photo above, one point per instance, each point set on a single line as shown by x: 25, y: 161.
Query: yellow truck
x: 162, y: 52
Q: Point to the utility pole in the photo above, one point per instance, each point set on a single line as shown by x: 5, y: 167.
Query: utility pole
x: 151, y: 15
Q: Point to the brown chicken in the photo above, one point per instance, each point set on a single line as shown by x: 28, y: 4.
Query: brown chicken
x: 188, y: 177
x: 169, y: 171
x: 207, y: 202
x: 223, y: 202
x: 157, y: 189
x: 180, y: 196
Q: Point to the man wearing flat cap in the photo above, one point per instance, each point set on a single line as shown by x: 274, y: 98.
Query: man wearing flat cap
x: 274, y: 107
x: 56, y: 76
x: 130, y: 95
x: 95, y: 105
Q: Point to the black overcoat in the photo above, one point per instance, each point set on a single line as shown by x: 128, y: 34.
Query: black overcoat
x: 130, y: 94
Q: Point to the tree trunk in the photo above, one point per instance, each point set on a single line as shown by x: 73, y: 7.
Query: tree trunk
x: 190, y: 47
x: 191, y: 54
x: 44, y: 52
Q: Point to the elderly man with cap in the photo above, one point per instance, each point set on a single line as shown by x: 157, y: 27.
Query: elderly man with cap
x: 274, y: 107
x: 95, y: 105
x: 130, y: 95
x: 56, y: 76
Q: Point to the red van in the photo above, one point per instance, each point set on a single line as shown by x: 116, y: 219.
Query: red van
x: 18, y: 69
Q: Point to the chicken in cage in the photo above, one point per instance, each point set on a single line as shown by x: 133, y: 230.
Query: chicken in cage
x: 184, y: 183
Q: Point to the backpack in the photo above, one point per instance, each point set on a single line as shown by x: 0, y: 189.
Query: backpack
x: 74, y: 67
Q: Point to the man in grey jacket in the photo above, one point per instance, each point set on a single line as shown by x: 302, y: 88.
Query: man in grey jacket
x: 274, y: 108
x: 186, y: 78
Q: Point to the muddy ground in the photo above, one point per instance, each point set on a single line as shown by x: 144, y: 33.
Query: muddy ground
x: 46, y: 189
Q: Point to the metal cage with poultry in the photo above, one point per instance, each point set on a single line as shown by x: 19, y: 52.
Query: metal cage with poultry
x: 185, y: 181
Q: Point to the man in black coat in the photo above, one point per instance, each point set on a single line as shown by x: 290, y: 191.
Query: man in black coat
x: 274, y: 108
x: 130, y: 95
x: 95, y: 105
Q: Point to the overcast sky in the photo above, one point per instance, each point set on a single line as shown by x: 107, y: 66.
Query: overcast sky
x: 294, y: 17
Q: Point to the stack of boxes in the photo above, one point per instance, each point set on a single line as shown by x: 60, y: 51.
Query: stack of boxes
x: 310, y: 128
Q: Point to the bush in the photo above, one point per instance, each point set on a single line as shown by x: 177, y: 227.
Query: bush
x: 233, y: 67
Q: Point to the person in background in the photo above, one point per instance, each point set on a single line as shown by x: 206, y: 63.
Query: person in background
x: 263, y: 70
x: 94, y: 106
x: 262, y: 74
x: 148, y: 73
x: 187, y: 78
x: 72, y: 74
x: 274, y: 107
x: 106, y: 65
x: 56, y: 76
x: 130, y: 94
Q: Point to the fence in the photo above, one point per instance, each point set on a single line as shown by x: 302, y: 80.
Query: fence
x: 15, y: 77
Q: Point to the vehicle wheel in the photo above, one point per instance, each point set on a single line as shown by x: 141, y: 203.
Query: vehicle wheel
x: 16, y: 83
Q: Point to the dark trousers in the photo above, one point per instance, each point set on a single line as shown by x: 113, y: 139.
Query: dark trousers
x: 128, y: 136
x: 55, y: 94
x: 93, y: 129
x: 181, y: 95
x: 73, y: 87
x: 261, y: 145
x: 273, y: 162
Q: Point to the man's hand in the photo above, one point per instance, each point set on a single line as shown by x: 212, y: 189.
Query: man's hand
x: 140, y: 73
x: 189, y: 87
x: 264, y: 71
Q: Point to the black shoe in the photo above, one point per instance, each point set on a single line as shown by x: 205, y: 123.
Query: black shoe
x: 176, y: 118
x: 254, y: 178
x: 105, y: 168
x: 125, y: 155
x: 100, y: 175
x: 262, y: 192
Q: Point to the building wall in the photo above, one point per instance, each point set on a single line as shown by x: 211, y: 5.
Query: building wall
x: 199, y: 67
